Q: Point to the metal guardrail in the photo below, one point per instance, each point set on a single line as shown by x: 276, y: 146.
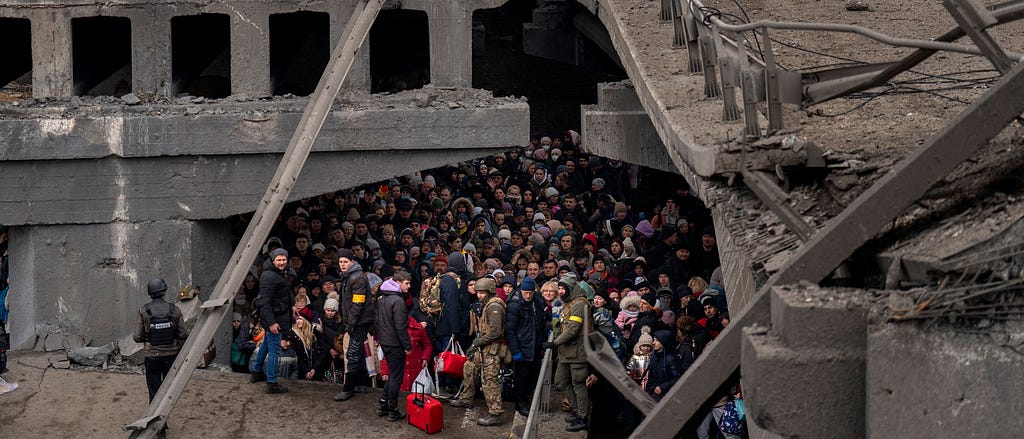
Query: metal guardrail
x: 717, y: 49
x: 541, y: 404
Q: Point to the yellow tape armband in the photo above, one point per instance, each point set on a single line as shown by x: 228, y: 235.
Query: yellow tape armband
x: 576, y: 319
x: 360, y: 298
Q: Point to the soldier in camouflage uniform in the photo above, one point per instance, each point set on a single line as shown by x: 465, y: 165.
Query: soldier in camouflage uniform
x: 486, y: 355
x: 571, y: 373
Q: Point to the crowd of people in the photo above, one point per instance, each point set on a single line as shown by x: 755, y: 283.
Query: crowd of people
x: 504, y: 258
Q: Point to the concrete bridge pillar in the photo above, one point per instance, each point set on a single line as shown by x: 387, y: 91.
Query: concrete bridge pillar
x: 51, y: 54
x: 89, y: 279
x: 250, y: 50
x: 451, y: 38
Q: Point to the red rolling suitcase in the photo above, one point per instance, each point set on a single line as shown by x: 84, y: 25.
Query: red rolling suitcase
x: 424, y: 412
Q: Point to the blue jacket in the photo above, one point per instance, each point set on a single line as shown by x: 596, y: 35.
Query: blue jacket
x: 663, y: 371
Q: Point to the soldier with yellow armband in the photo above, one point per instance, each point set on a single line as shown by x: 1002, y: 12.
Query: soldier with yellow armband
x: 357, y: 312
x: 571, y: 373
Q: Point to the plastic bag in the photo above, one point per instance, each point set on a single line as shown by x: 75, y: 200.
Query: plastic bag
x: 424, y: 383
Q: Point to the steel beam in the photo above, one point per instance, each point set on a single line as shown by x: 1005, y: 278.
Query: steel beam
x: 1004, y: 13
x: 859, y: 222
x: 778, y: 201
x: 267, y: 211
x: 974, y: 19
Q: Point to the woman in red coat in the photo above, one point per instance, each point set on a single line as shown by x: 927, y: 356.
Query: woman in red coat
x: 417, y: 359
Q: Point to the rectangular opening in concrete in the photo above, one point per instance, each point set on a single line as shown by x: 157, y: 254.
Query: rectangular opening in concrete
x: 399, y: 51
x: 101, y: 53
x: 16, y: 69
x: 300, y: 46
x: 201, y: 55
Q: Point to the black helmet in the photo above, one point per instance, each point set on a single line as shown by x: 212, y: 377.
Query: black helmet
x: 156, y: 287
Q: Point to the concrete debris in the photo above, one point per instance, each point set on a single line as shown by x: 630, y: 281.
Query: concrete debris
x: 54, y: 342
x: 858, y: 6
x: 131, y: 99
x: 131, y: 351
x: 63, y: 364
x: 91, y: 356
x: 36, y: 361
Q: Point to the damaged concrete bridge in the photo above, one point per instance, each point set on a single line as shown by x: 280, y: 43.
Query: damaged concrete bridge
x: 835, y: 227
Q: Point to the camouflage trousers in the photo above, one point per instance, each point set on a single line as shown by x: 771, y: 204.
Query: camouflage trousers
x: 488, y: 371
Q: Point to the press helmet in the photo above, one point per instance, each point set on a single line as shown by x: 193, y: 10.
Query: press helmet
x: 156, y: 287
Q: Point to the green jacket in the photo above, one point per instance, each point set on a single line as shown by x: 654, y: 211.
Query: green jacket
x: 571, y: 320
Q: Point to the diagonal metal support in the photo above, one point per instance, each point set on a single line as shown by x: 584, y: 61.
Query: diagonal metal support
x: 211, y: 317
x: 973, y: 18
x: 866, y: 216
x: 817, y: 93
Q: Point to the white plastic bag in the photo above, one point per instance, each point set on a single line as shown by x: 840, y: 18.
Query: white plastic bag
x: 424, y: 383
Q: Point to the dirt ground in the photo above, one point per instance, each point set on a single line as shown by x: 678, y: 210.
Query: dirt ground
x: 92, y: 403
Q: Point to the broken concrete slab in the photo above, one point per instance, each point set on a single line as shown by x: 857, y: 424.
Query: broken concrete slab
x: 36, y: 361
x: 54, y: 342
x: 130, y: 350
x: 91, y: 356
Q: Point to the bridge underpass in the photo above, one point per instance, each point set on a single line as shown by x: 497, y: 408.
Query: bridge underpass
x: 690, y: 156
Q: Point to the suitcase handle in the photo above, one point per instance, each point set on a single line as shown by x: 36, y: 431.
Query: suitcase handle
x: 420, y: 398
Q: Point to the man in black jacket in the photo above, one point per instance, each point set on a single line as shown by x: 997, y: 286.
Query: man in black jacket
x: 391, y: 321
x: 275, y: 304
x: 525, y: 335
x: 357, y: 312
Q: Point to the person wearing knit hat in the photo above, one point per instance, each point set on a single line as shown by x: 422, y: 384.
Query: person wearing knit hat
x: 620, y: 207
x: 650, y: 298
x: 597, y: 185
x: 636, y: 367
x: 539, y: 217
x: 645, y: 228
x: 665, y: 367
x: 526, y: 331
x: 550, y: 192
x: 275, y: 291
x: 486, y: 354
x: 331, y: 304
x: 571, y: 373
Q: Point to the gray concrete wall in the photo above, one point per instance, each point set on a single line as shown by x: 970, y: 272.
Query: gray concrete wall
x: 941, y: 383
x: 90, y: 279
x: 150, y: 23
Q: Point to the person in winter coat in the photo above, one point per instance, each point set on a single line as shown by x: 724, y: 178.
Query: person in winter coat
x: 417, y: 359
x: 486, y: 355
x: 311, y: 361
x: 275, y: 302
x: 357, y: 312
x: 453, y: 321
x: 571, y: 373
x: 647, y: 317
x: 331, y: 328
x: 391, y: 327
x: 525, y: 333
x: 664, y: 369
x: 627, y: 316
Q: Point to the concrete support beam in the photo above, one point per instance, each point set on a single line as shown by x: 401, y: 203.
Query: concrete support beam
x: 450, y: 24
x: 816, y: 341
x: 618, y: 128
x: 205, y: 187
x: 90, y: 279
x: 238, y: 129
x: 151, y: 51
x: 950, y: 383
x: 250, y: 49
x: 51, y: 54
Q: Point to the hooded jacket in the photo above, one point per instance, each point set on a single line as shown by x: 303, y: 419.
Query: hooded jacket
x: 356, y: 301
x: 276, y: 297
x: 392, y: 317
x: 571, y: 319
x: 454, y: 317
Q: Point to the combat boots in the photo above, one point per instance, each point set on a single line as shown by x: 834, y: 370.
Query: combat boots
x: 460, y: 404
x: 580, y: 424
x: 255, y: 377
x: 382, y: 408
x: 489, y: 420
x: 395, y: 415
